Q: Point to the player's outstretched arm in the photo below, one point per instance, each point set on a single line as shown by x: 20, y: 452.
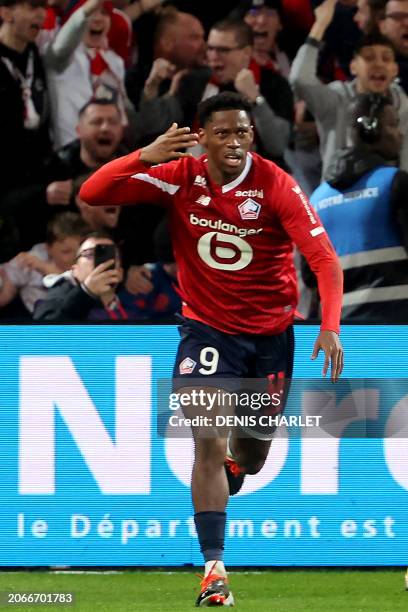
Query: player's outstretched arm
x: 123, y: 181
x: 329, y: 343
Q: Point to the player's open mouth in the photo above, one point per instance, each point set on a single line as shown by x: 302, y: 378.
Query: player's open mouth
x: 35, y: 27
x: 96, y: 32
x: 233, y: 159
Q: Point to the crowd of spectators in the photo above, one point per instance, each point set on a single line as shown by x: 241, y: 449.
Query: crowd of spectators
x: 85, y: 81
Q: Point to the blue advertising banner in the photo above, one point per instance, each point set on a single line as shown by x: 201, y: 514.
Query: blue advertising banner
x: 86, y: 480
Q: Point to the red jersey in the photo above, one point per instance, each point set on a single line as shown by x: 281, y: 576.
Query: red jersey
x: 233, y: 243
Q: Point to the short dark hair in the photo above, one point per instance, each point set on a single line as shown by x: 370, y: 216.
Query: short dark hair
x: 66, y: 225
x: 168, y: 16
x: 98, y: 235
x: 372, y: 39
x: 227, y: 100
x: 98, y: 102
x: 377, y: 5
x: 243, y: 33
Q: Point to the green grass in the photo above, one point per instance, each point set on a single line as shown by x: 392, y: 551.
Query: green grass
x: 279, y: 591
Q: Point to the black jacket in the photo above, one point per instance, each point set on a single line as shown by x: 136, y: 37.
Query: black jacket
x: 25, y: 207
x: 22, y: 149
x: 65, y: 302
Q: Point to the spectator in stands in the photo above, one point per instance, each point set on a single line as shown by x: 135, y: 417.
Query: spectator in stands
x: 99, y: 134
x: 365, y: 191
x: 86, y: 292
x: 303, y: 155
x: 229, y: 51
x: 340, y: 40
x: 207, y: 13
x: 121, y: 37
x: 24, y: 274
x: 51, y: 188
x: 170, y: 88
x: 120, y: 31
x: 132, y: 229
x: 369, y: 13
x: 264, y: 19
x: 156, y: 297
x: 395, y: 25
x: 58, y: 12
x: 374, y: 68
x: 23, y: 91
x: 91, y: 70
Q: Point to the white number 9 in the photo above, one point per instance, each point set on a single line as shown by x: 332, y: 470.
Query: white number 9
x: 211, y: 363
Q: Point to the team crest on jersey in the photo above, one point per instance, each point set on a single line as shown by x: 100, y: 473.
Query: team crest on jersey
x: 249, y: 209
x: 204, y: 200
x: 201, y: 181
x: 187, y: 365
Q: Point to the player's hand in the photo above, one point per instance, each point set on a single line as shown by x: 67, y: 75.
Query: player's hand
x: 138, y: 280
x: 59, y: 192
x: 101, y: 280
x: 167, y: 146
x: 246, y: 85
x: 329, y: 343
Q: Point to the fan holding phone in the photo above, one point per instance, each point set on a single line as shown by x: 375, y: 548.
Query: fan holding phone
x: 104, y: 253
x: 89, y: 290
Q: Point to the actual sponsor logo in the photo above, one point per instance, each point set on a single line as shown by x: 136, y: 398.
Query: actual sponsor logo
x: 220, y: 225
x: 187, y: 365
x: 249, y: 209
x: 201, y: 181
x: 250, y: 193
x: 204, y: 200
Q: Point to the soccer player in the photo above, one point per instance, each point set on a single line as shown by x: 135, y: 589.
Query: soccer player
x: 234, y: 219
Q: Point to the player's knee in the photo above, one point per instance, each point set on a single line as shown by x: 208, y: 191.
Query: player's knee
x: 210, y: 452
